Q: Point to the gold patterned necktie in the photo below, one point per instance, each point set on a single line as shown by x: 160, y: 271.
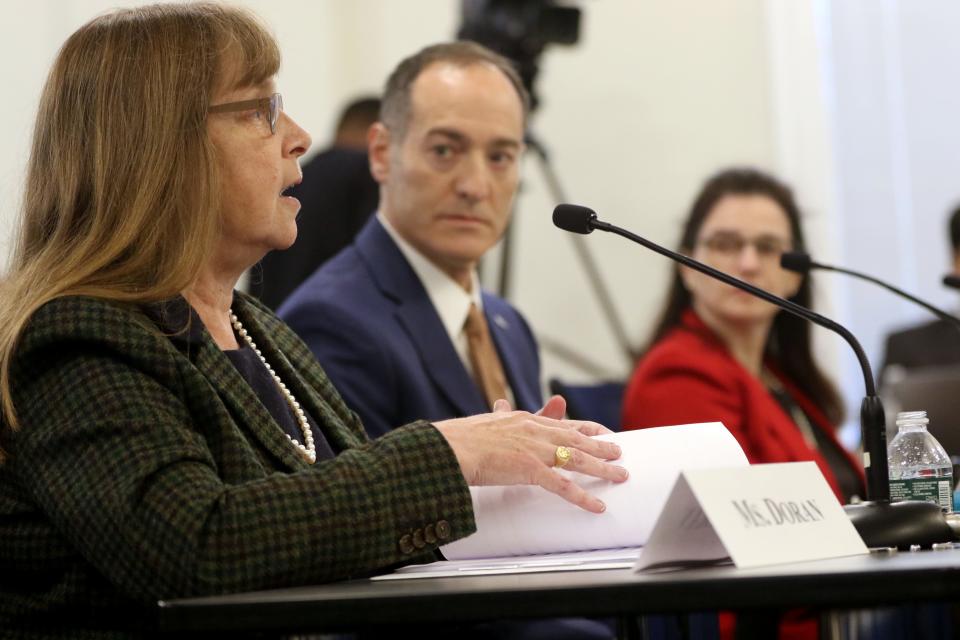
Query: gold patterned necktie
x: 487, y: 369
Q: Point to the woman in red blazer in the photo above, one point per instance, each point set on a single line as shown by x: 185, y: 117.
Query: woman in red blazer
x: 719, y: 354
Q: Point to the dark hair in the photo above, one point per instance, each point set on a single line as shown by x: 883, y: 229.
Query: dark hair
x: 954, y: 227
x: 360, y: 112
x: 789, y: 341
x: 395, y: 108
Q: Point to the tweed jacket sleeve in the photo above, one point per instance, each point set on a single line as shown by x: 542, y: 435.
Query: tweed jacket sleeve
x: 155, y: 462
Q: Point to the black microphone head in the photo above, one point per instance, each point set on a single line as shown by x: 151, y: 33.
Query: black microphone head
x: 952, y: 281
x: 574, y: 218
x: 796, y: 261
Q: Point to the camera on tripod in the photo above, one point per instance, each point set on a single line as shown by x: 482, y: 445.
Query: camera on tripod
x: 520, y: 30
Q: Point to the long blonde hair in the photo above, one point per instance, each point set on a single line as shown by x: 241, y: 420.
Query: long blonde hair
x: 122, y: 196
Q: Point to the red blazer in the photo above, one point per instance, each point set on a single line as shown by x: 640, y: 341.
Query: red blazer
x: 690, y: 376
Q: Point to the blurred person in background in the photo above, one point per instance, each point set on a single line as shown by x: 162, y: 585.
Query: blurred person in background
x: 932, y: 344
x: 399, y: 319
x: 721, y: 354
x: 718, y: 353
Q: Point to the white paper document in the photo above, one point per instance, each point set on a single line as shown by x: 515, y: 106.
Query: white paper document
x: 528, y: 520
x: 550, y: 562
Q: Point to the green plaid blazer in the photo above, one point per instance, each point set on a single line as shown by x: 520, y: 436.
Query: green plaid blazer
x: 146, y: 468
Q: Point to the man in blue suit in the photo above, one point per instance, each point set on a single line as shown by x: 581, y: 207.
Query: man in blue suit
x: 386, y: 317
x: 391, y: 317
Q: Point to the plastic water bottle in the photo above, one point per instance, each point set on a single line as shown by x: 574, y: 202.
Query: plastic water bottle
x: 920, y: 469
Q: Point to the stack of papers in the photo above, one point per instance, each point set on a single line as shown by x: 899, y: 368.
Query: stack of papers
x: 522, y: 529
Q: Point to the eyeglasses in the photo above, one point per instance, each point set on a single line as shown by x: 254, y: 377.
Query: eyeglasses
x: 272, y: 106
x: 732, y: 244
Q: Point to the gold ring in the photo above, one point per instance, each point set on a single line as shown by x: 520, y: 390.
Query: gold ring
x: 561, y: 456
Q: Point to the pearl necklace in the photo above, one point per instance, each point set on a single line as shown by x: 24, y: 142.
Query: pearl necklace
x: 309, y: 449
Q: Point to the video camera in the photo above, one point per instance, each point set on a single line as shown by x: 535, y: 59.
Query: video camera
x: 520, y: 30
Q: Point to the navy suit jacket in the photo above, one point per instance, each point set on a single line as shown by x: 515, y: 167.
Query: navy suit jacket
x: 369, y: 321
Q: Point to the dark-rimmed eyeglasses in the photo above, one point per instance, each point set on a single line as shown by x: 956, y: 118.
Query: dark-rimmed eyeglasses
x: 272, y: 106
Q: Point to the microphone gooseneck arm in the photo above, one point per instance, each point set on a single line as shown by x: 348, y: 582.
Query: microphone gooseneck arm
x: 810, y: 264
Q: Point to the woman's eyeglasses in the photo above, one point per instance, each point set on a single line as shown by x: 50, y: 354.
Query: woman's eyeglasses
x: 272, y: 106
x: 733, y: 244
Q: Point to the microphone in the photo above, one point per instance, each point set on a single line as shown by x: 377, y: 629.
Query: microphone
x: 951, y: 281
x: 800, y: 262
x: 879, y: 522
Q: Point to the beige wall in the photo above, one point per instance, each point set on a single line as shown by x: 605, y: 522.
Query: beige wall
x: 658, y: 94
x: 853, y: 103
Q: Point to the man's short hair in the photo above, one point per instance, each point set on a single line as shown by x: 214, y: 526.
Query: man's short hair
x: 955, y: 229
x: 359, y: 113
x: 395, y: 108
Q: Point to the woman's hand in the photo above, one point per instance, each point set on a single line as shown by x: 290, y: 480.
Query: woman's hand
x: 515, y: 447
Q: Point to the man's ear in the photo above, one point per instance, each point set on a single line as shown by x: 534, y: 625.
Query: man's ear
x: 378, y: 151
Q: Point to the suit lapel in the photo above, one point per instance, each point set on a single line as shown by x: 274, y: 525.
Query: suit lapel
x: 439, y: 358
x: 243, y: 403
x: 338, y: 436
x: 415, y: 313
x: 181, y: 323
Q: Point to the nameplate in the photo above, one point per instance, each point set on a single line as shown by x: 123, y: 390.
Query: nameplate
x: 757, y: 515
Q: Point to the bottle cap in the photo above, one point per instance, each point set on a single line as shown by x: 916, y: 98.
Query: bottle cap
x: 914, y: 418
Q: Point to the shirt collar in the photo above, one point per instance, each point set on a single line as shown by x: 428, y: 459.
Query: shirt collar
x: 448, y: 297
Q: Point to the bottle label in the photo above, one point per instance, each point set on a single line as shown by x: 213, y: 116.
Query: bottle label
x: 936, y: 490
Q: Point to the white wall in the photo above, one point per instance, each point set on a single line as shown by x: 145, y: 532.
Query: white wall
x: 867, y: 126
x: 657, y: 95
x: 898, y: 147
x: 333, y: 50
x: 851, y: 102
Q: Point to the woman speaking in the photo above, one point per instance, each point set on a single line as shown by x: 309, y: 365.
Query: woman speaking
x: 164, y: 435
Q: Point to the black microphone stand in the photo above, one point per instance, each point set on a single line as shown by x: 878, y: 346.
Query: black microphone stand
x: 800, y: 262
x: 879, y: 522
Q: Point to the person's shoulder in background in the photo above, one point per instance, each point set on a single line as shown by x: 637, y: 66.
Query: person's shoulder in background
x: 686, y: 377
x: 934, y: 343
